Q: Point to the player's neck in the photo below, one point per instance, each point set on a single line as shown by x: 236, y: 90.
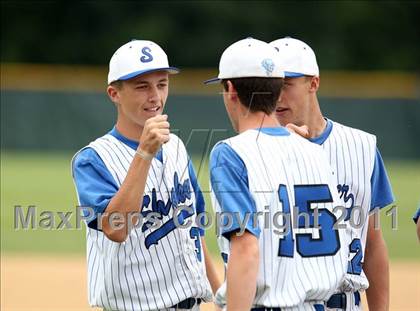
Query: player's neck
x: 316, y: 122
x: 257, y: 120
x: 128, y: 129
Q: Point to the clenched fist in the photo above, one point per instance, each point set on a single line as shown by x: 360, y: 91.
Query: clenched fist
x: 155, y: 134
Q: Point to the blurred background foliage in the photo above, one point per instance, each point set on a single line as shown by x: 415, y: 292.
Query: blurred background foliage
x: 348, y: 35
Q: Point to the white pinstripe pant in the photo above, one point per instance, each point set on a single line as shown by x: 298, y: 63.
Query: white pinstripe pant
x: 196, y: 307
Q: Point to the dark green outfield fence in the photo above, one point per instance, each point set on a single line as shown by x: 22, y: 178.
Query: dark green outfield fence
x: 62, y: 121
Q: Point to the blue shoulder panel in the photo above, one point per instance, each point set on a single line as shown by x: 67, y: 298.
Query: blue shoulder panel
x: 229, y: 180
x: 95, y: 184
x: 381, y: 192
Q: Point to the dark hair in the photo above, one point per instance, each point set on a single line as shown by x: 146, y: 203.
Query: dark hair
x: 258, y: 94
x: 117, y: 84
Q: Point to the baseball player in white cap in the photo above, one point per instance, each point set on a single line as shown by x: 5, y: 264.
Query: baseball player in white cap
x: 359, y: 171
x: 263, y: 171
x: 133, y: 179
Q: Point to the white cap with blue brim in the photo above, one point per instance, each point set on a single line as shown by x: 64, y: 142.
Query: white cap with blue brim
x: 298, y: 59
x: 249, y: 58
x: 138, y: 57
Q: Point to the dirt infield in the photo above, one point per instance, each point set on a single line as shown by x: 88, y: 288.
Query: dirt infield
x: 32, y: 283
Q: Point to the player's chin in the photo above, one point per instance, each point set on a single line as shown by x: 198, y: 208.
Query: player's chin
x: 283, y: 116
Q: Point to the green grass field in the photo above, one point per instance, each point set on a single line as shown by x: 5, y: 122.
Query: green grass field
x: 44, y: 180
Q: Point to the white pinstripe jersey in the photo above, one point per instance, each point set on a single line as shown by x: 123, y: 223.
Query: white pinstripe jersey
x: 155, y: 268
x: 351, y: 153
x: 304, y: 266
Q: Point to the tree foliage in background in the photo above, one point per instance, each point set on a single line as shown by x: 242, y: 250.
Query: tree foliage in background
x: 344, y: 34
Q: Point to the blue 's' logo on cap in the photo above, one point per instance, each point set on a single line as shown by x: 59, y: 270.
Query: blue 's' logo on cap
x: 147, y: 57
x: 268, y: 66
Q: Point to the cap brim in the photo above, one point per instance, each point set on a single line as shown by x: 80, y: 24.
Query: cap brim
x: 171, y: 70
x: 289, y: 74
x: 212, y: 81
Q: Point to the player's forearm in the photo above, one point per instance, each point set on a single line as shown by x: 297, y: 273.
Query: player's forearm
x: 376, y: 267
x: 242, y: 272
x: 127, y: 201
x: 418, y: 229
x: 377, y: 272
x: 210, y: 268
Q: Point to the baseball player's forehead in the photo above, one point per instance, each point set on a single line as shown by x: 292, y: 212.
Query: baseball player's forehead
x: 297, y: 80
x: 150, y: 78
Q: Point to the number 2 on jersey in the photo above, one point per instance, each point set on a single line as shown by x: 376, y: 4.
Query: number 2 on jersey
x: 355, y: 265
x: 328, y: 242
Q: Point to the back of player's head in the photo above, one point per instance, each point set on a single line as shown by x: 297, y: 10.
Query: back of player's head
x: 297, y: 58
x: 254, y: 69
x: 257, y: 94
x: 135, y: 58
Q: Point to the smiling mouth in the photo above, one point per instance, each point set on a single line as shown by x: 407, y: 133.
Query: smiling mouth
x: 152, y: 109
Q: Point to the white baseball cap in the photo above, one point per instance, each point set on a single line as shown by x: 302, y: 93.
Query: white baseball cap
x: 138, y: 57
x: 298, y: 59
x: 249, y: 58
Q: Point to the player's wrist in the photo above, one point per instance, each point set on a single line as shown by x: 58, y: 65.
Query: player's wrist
x: 145, y: 155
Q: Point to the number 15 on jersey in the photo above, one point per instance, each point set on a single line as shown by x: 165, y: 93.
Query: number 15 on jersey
x: 306, y: 245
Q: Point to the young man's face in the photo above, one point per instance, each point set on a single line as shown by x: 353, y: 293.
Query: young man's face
x: 143, y: 97
x: 293, y: 103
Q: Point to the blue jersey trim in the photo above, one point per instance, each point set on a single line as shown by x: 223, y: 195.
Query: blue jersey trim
x: 229, y: 180
x: 325, y: 134
x: 131, y: 143
x: 274, y: 131
x: 381, y: 192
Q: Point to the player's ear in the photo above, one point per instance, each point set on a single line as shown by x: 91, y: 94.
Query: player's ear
x: 314, y: 86
x: 113, y: 93
x: 233, y: 95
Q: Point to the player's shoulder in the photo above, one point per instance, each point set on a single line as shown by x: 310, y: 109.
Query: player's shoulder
x: 223, y: 154
x: 221, y: 148
x: 254, y: 134
x: 84, y: 158
x: 352, y: 132
x: 221, y: 145
x: 228, y: 148
x: 90, y: 150
x: 88, y: 153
